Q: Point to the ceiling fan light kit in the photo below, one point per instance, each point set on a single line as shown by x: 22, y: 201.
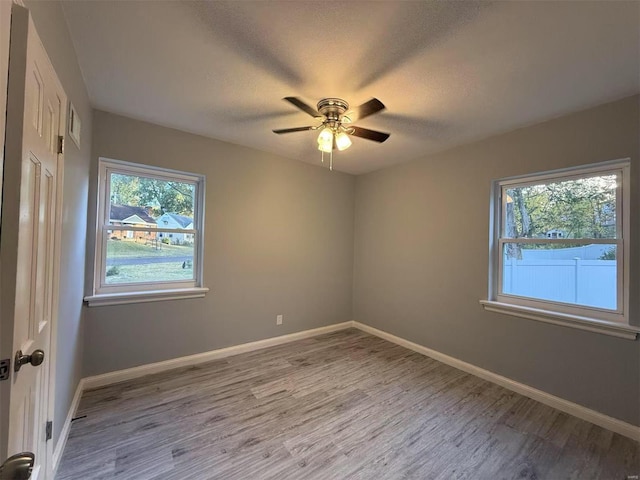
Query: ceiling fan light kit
x: 336, y: 118
x: 325, y: 140
x: 342, y: 141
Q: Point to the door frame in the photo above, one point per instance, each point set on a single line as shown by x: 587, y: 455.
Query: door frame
x: 55, y: 292
x: 5, y: 32
x: 13, y: 153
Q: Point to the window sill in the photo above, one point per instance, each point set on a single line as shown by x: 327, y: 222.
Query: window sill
x: 143, y: 297
x: 614, y: 329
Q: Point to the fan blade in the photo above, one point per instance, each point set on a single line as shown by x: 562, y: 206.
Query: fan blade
x: 302, y: 106
x: 367, y: 108
x: 369, y: 134
x: 291, y: 130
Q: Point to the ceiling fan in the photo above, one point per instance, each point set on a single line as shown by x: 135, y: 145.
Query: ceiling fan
x: 336, y: 123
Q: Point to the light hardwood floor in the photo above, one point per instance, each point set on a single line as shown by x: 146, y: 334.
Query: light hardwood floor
x: 345, y: 405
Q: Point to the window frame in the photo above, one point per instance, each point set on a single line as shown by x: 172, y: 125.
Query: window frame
x: 144, y: 291
x: 549, y: 310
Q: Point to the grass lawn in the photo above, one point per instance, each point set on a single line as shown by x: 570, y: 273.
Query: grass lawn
x: 149, y: 272
x: 131, y: 248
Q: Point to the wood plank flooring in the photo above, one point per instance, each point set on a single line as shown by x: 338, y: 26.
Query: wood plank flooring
x: 345, y: 405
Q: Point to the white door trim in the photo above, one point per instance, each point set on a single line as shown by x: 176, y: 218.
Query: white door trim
x: 57, y: 249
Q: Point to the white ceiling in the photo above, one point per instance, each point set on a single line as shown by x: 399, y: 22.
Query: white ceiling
x: 448, y: 72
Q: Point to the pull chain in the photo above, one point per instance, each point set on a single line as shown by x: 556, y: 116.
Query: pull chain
x: 330, y: 158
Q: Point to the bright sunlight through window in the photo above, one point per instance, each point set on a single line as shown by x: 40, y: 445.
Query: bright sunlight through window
x: 149, y: 229
x: 559, y: 242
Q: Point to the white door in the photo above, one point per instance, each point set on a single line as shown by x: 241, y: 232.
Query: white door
x: 28, y: 236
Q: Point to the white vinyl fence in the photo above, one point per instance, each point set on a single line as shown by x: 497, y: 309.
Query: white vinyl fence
x: 583, y: 282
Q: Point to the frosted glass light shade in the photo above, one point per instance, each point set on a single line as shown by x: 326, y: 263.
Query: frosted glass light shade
x: 343, y: 141
x: 325, y: 146
x: 326, y: 136
x: 325, y: 140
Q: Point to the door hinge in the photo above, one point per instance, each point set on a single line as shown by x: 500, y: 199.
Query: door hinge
x: 4, y: 369
x: 49, y: 430
x: 60, y: 144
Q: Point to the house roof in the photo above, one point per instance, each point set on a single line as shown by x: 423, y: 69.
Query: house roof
x: 122, y: 212
x: 181, y: 219
x: 448, y: 72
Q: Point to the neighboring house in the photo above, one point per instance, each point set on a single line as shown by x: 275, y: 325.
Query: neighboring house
x: 555, y: 233
x: 127, y: 215
x: 178, y: 222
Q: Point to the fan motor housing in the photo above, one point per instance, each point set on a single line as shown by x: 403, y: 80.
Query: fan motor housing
x: 332, y: 108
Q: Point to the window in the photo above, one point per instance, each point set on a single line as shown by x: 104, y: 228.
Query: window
x: 134, y: 258
x: 559, y: 246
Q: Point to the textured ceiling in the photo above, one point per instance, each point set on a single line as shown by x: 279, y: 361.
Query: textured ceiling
x: 448, y: 72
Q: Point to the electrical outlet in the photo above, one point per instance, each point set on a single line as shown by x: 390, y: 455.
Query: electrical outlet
x: 279, y: 320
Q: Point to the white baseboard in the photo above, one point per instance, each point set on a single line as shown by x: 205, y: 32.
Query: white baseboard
x: 64, y: 434
x: 597, y: 418
x: 88, y: 383
x: 136, y: 372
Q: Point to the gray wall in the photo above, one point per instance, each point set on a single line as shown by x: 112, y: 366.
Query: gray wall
x: 278, y: 239
x: 52, y: 28
x: 421, y: 259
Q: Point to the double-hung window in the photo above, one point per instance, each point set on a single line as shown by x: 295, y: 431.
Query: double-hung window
x: 560, y: 247
x: 149, y: 234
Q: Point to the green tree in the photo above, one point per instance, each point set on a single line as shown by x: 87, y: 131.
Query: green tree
x: 162, y: 196
x: 580, y: 208
x: 124, y: 189
x: 167, y: 197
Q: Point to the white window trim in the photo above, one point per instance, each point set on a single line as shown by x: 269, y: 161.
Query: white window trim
x: 609, y: 322
x: 614, y: 329
x: 142, y: 297
x: 104, y: 294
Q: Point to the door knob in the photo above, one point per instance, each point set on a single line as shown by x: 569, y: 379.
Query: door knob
x: 17, y: 467
x: 35, y: 359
